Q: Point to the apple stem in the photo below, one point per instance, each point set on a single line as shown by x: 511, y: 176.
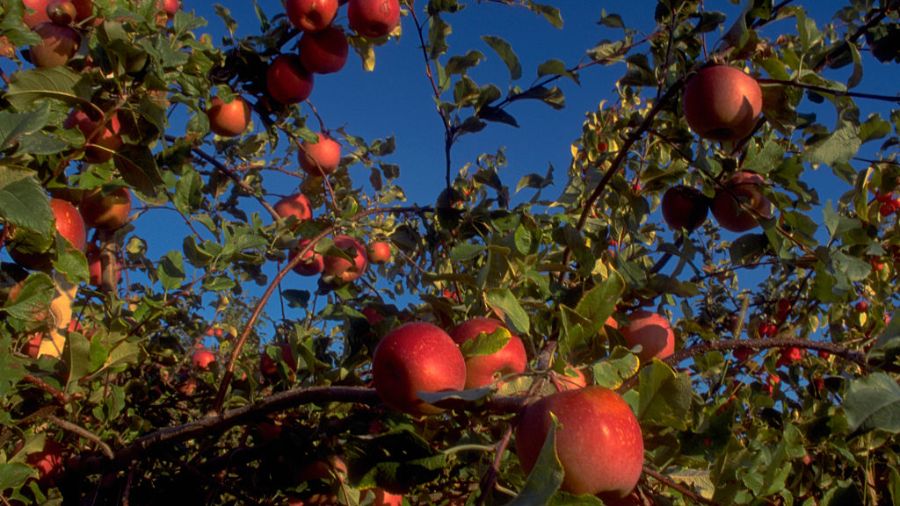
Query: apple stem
x: 490, y: 478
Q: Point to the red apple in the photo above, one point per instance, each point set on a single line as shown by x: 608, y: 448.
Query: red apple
x: 373, y: 316
x: 170, y: 7
x: 320, y: 158
x: 789, y: 356
x: 374, y: 18
x: 95, y: 266
x: 573, y: 379
x: 598, y: 441
x: 69, y: 223
x: 385, y: 498
x: 742, y: 188
x: 379, y: 252
x: 287, y: 81
x: 106, y: 211
x: 311, y: 15
x: 652, y: 332
x: 228, y: 119
x: 296, y: 205
x: 100, y: 144
x: 312, y: 262
x: 482, y: 370
x: 202, y: 358
x: 325, y: 51
x: 269, y: 368
x: 48, y: 461
x: 341, y: 269
x: 684, y: 207
x: 58, y: 44
x: 416, y: 357
x: 62, y: 12
x: 35, y: 12
x: 722, y: 103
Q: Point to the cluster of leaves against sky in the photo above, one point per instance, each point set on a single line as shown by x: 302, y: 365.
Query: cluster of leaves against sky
x: 780, y: 390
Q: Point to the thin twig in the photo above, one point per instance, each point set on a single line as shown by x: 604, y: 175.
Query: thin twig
x: 490, y: 478
x: 81, y: 431
x: 830, y: 91
x: 61, y: 398
x: 677, y: 487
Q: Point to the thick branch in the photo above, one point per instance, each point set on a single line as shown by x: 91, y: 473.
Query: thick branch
x: 61, y: 398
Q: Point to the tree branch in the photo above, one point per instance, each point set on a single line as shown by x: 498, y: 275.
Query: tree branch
x: 81, y: 431
x: 829, y: 91
x: 665, y: 480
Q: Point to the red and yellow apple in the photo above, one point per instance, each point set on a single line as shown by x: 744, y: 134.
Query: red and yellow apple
x: 202, y: 358
x: 296, y: 205
x: 482, y: 370
x: 740, y: 201
x: 652, y: 332
x: 228, y: 119
x: 325, y: 51
x: 69, y: 223
x: 416, y: 357
x: 311, y: 15
x: 287, y: 81
x: 374, y: 18
x: 57, y: 46
x: 722, y: 103
x: 312, y: 262
x: 320, y: 158
x: 342, y: 270
x: 106, y: 211
x: 379, y: 252
x: 100, y: 144
x: 684, y: 207
x: 598, y: 440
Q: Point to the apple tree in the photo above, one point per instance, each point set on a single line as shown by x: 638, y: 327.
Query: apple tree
x: 679, y: 317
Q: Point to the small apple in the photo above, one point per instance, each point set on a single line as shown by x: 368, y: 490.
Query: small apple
x: 722, y: 103
x: 296, y: 205
x: 312, y: 262
x: 287, y: 81
x: 228, y: 119
x: 599, y: 441
x: 374, y: 18
x: 202, y: 358
x: 862, y: 306
x: 269, y: 368
x: 170, y: 7
x: 311, y: 15
x: 379, y: 252
x: 783, y: 309
x: 341, y: 269
x: 320, y: 158
x: 742, y: 188
x: 100, y: 144
x: 790, y: 356
x: 58, y: 44
x: 62, y: 12
x: 652, y: 332
x: 106, y: 211
x: 325, y: 51
x: 483, y: 370
x: 373, y: 316
x: 684, y: 207
x: 416, y: 357
x: 48, y: 461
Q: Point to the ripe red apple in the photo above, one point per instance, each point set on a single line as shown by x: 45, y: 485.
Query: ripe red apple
x: 385, y: 498
x: 742, y: 188
x: 482, y: 370
x: 312, y: 262
x: 320, y: 158
x: 374, y: 18
x: 598, y: 441
x: 35, y: 12
x: 311, y: 15
x: 69, y: 223
x: 379, y: 252
x: 106, y: 211
x: 95, y: 266
x: 416, y: 357
x: 269, y: 368
x: 228, y: 119
x: 373, y: 316
x: 62, y: 12
x: 325, y: 51
x: 100, y: 144
x: 287, y: 81
x: 684, y: 207
x: 573, y: 379
x: 58, y: 44
x: 722, y: 103
x: 789, y: 356
x: 652, y: 332
x: 296, y: 205
x: 170, y: 7
x: 48, y: 461
x: 341, y: 269
x: 202, y: 358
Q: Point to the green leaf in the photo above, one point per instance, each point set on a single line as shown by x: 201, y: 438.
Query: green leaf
x: 78, y: 358
x: 461, y: 64
x: 506, y: 53
x: 58, y: 83
x: 15, y: 475
x: 873, y: 402
x: 611, y: 372
x: 550, y: 13
x: 665, y: 397
x: 503, y: 302
x: 34, y: 298
x: 15, y: 125
x: 23, y: 202
x: 171, y: 270
x: 838, y: 147
x: 138, y: 168
x: 555, y: 67
x: 547, y: 475
x: 486, y: 344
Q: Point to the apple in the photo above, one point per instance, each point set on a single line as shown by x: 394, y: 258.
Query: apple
x: 311, y: 15
x: 106, y: 211
x: 62, y: 12
x: 202, y: 358
x: 58, y: 44
x: 325, y: 51
x: 652, y: 332
x: 573, y: 379
x: 48, y: 461
x: 379, y: 252
x: 684, y: 207
x: 100, y: 144
x: 789, y: 356
x: 69, y: 223
x: 416, y: 357
x: 33, y: 346
x: 385, y: 498
x: 312, y: 262
x: 320, y: 158
x: 170, y: 7
x: 269, y: 368
x: 296, y: 205
x: 287, y: 81
x: 374, y: 18
x: 95, y: 266
x: 373, y: 316
x: 722, y: 103
x: 862, y: 306
x: 482, y: 370
x: 598, y: 441
x: 741, y: 188
x: 341, y: 269
x: 228, y: 119
x: 38, y: 12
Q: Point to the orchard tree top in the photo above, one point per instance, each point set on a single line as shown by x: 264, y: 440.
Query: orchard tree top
x: 212, y: 294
